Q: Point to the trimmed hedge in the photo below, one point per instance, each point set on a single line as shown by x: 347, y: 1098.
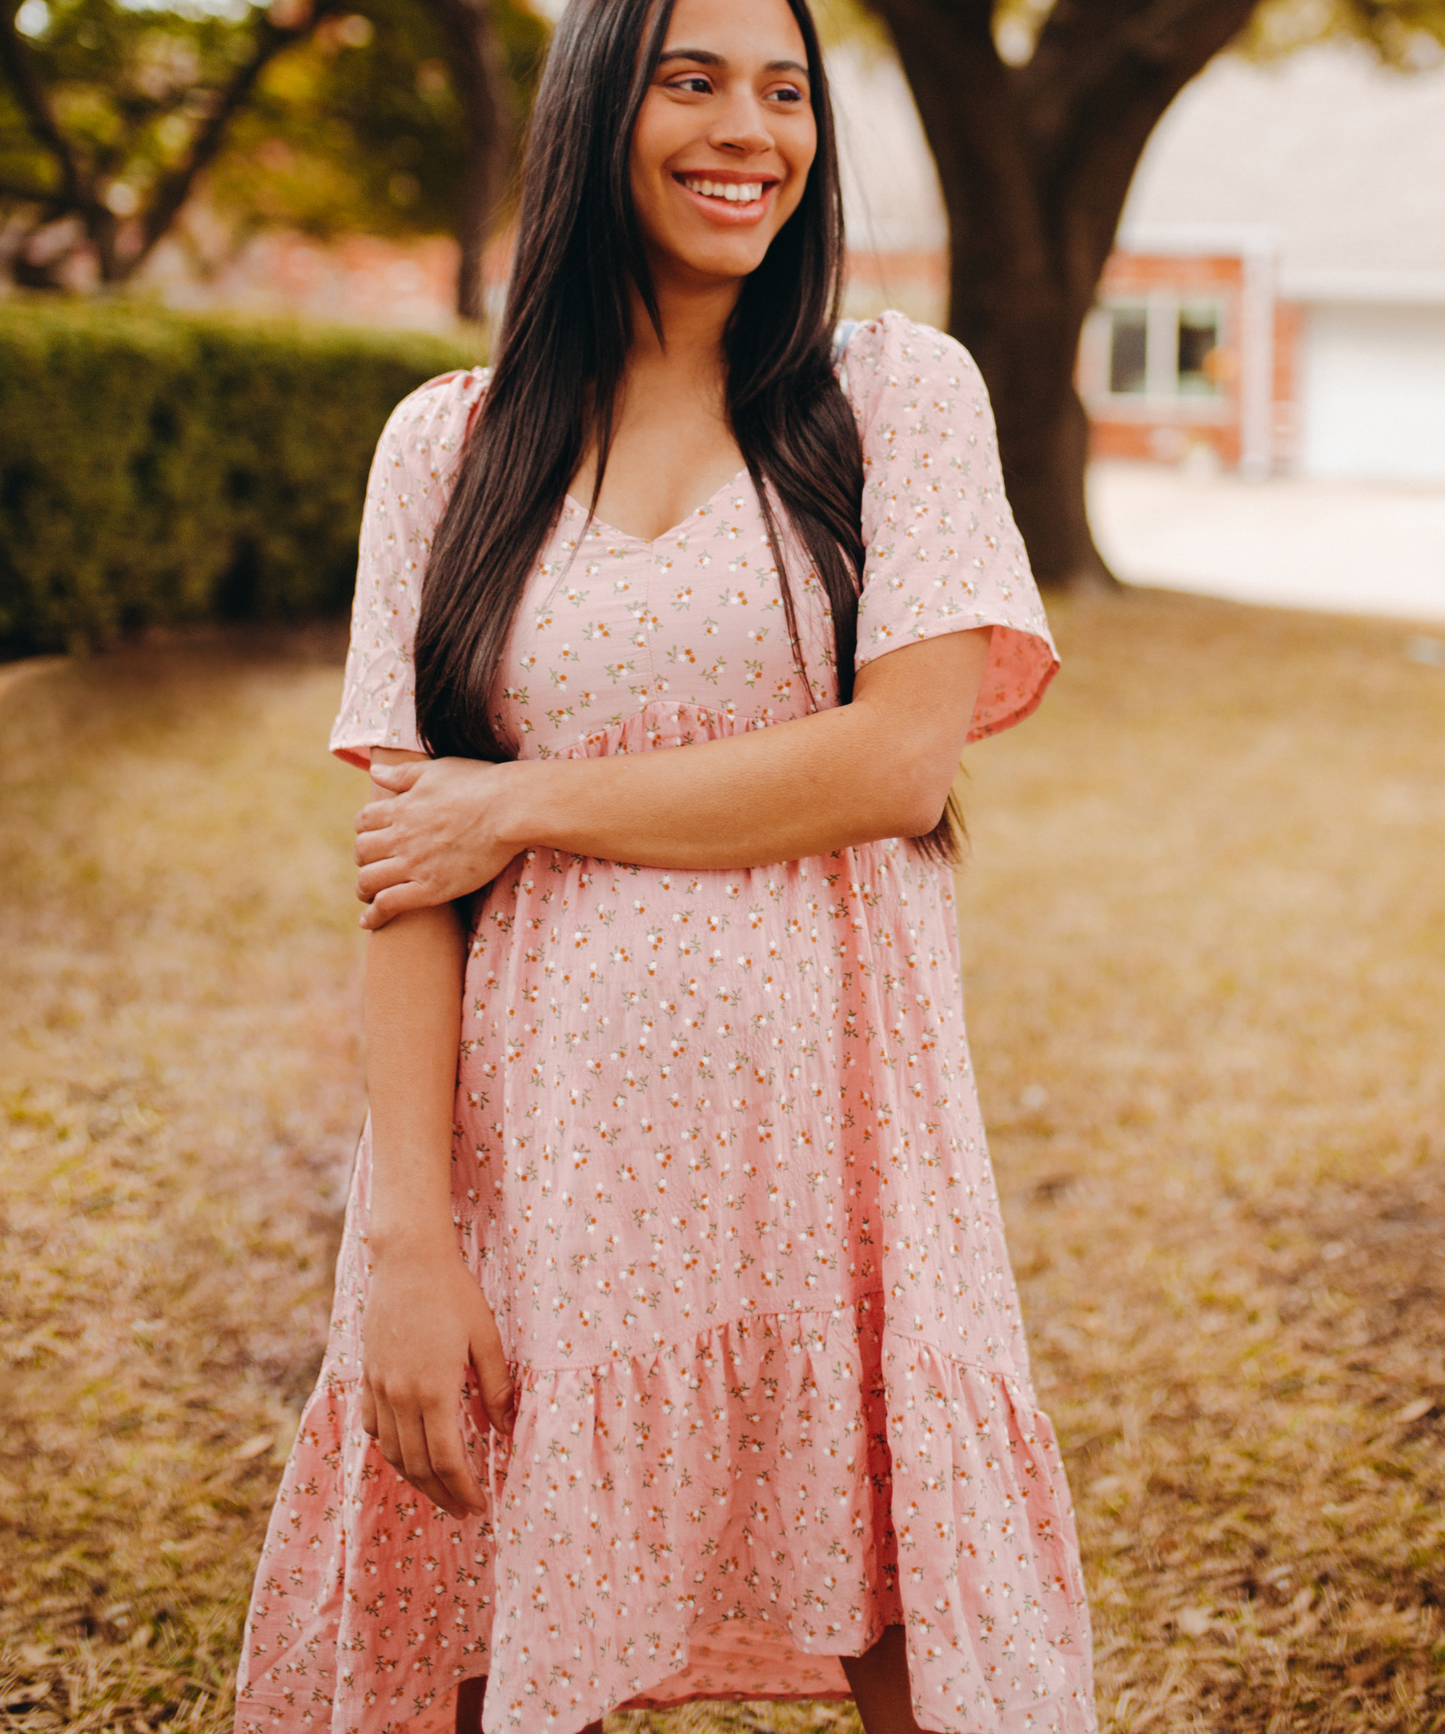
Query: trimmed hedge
x: 161, y: 468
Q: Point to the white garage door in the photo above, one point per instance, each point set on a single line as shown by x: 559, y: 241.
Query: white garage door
x: 1373, y: 392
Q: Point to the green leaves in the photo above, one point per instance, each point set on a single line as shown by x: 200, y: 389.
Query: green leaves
x: 307, y: 114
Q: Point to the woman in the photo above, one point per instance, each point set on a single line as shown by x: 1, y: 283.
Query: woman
x: 727, y: 1388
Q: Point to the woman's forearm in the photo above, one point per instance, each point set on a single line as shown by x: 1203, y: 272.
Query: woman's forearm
x: 414, y: 976
x: 430, y: 1342
x: 800, y: 788
x: 881, y: 766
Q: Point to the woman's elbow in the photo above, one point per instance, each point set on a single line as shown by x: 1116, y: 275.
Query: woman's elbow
x: 920, y: 820
x: 916, y: 798
x: 907, y: 756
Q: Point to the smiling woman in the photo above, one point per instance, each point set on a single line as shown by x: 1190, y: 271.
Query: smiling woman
x: 762, y: 105
x: 675, y: 1351
x: 714, y: 124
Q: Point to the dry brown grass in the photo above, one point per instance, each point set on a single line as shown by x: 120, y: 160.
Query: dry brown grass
x: 1205, y: 945
x: 1204, y: 933
x: 179, y: 1089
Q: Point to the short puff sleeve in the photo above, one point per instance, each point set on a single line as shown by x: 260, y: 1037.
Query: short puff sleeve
x: 943, y: 552
x: 411, y: 478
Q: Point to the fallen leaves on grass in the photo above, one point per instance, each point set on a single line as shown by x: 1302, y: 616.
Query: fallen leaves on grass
x: 1204, y: 924
x: 1204, y: 935
x: 179, y: 1091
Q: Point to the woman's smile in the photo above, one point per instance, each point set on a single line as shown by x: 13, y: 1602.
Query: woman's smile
x: 726, y: 196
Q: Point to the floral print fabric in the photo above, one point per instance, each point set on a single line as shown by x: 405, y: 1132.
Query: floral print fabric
x: 718, y: 1168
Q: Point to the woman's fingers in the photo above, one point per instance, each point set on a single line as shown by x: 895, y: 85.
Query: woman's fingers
x: 410, y: 1456
x: 368, y: 1406
x: 451, y: 1469
x: 396, y: 780
x: 378, y: 815
x: 397, y: 777
x: 493, y: 1374
x: 499, y: 1399
x: 387, y: 1441
x: 378, y: 876
x: 395, y: 901
x: 417, y: 1464
x: 372, y: 844
x: 423, y: 1443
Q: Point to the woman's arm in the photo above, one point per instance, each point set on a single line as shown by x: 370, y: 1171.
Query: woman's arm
x: 426, y: 1319
x: 880, y: 766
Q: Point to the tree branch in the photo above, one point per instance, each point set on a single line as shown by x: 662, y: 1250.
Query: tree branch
x: 31, y: 195
x: 1085, y: 44
x: 1090, y: 124
x: 175, y: 188
x: 19, y: 64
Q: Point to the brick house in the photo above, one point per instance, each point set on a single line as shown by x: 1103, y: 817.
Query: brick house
x: 1277, y: 300
x: 1276, y: 303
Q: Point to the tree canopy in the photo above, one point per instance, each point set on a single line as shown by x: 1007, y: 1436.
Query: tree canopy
x: 322, y: 115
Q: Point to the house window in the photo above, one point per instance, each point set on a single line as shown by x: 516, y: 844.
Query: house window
x: 1198, y: 349
x: 1163, y: 347
x: 1128, y: 350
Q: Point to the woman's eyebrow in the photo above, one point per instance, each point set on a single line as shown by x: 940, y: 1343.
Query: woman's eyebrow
x: 706, y: 57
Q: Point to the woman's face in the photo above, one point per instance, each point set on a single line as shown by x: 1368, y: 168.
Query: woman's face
x: 724, y: 139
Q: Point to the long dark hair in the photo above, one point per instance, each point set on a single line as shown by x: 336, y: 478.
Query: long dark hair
x: 561, y: 356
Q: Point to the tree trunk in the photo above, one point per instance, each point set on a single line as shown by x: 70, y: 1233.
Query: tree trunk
x: 487, y: 122
x: 1035, y: 164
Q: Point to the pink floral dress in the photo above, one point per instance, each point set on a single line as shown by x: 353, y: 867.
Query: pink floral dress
x: 718, y: 1167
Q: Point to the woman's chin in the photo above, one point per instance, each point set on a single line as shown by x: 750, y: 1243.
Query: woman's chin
x: 716, y: 261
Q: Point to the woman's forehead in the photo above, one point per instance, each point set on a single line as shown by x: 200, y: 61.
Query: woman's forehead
x: 736, y: 31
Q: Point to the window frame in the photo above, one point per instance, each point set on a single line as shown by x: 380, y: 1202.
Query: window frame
x: 1161, y: 397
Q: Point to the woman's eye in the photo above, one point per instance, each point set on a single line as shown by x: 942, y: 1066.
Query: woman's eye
x: 788, y: 93
x: 694, y: 82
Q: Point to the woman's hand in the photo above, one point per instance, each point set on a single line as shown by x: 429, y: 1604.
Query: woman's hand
x: 427, y: 1325
x: 434, y: 838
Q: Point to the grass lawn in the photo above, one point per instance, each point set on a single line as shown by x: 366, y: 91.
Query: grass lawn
x: 1204, y: 942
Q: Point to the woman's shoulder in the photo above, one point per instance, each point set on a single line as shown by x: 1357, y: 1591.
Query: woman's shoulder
x: 890, y: 360
x: 428, y: 428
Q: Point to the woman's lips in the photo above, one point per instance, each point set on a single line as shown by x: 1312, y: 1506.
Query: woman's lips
x: 720, y: 204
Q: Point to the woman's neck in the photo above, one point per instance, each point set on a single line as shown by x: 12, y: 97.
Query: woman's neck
x: 689, y: 356
x: 672, y: 445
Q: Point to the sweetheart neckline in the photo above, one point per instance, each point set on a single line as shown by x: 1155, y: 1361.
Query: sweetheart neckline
x: 672, y: 530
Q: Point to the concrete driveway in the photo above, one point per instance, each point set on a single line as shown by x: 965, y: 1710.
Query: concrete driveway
x: 1344, y: 547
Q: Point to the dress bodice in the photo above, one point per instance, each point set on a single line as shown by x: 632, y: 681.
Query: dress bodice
x: 611, y: 624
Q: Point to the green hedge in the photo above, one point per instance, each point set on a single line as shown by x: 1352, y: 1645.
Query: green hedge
x: 158, y: 468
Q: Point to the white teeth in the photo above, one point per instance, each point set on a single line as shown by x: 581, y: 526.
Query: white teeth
x: 734, y: 192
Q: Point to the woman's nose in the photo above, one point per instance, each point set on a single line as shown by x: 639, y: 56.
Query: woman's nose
x: 743, y: 127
